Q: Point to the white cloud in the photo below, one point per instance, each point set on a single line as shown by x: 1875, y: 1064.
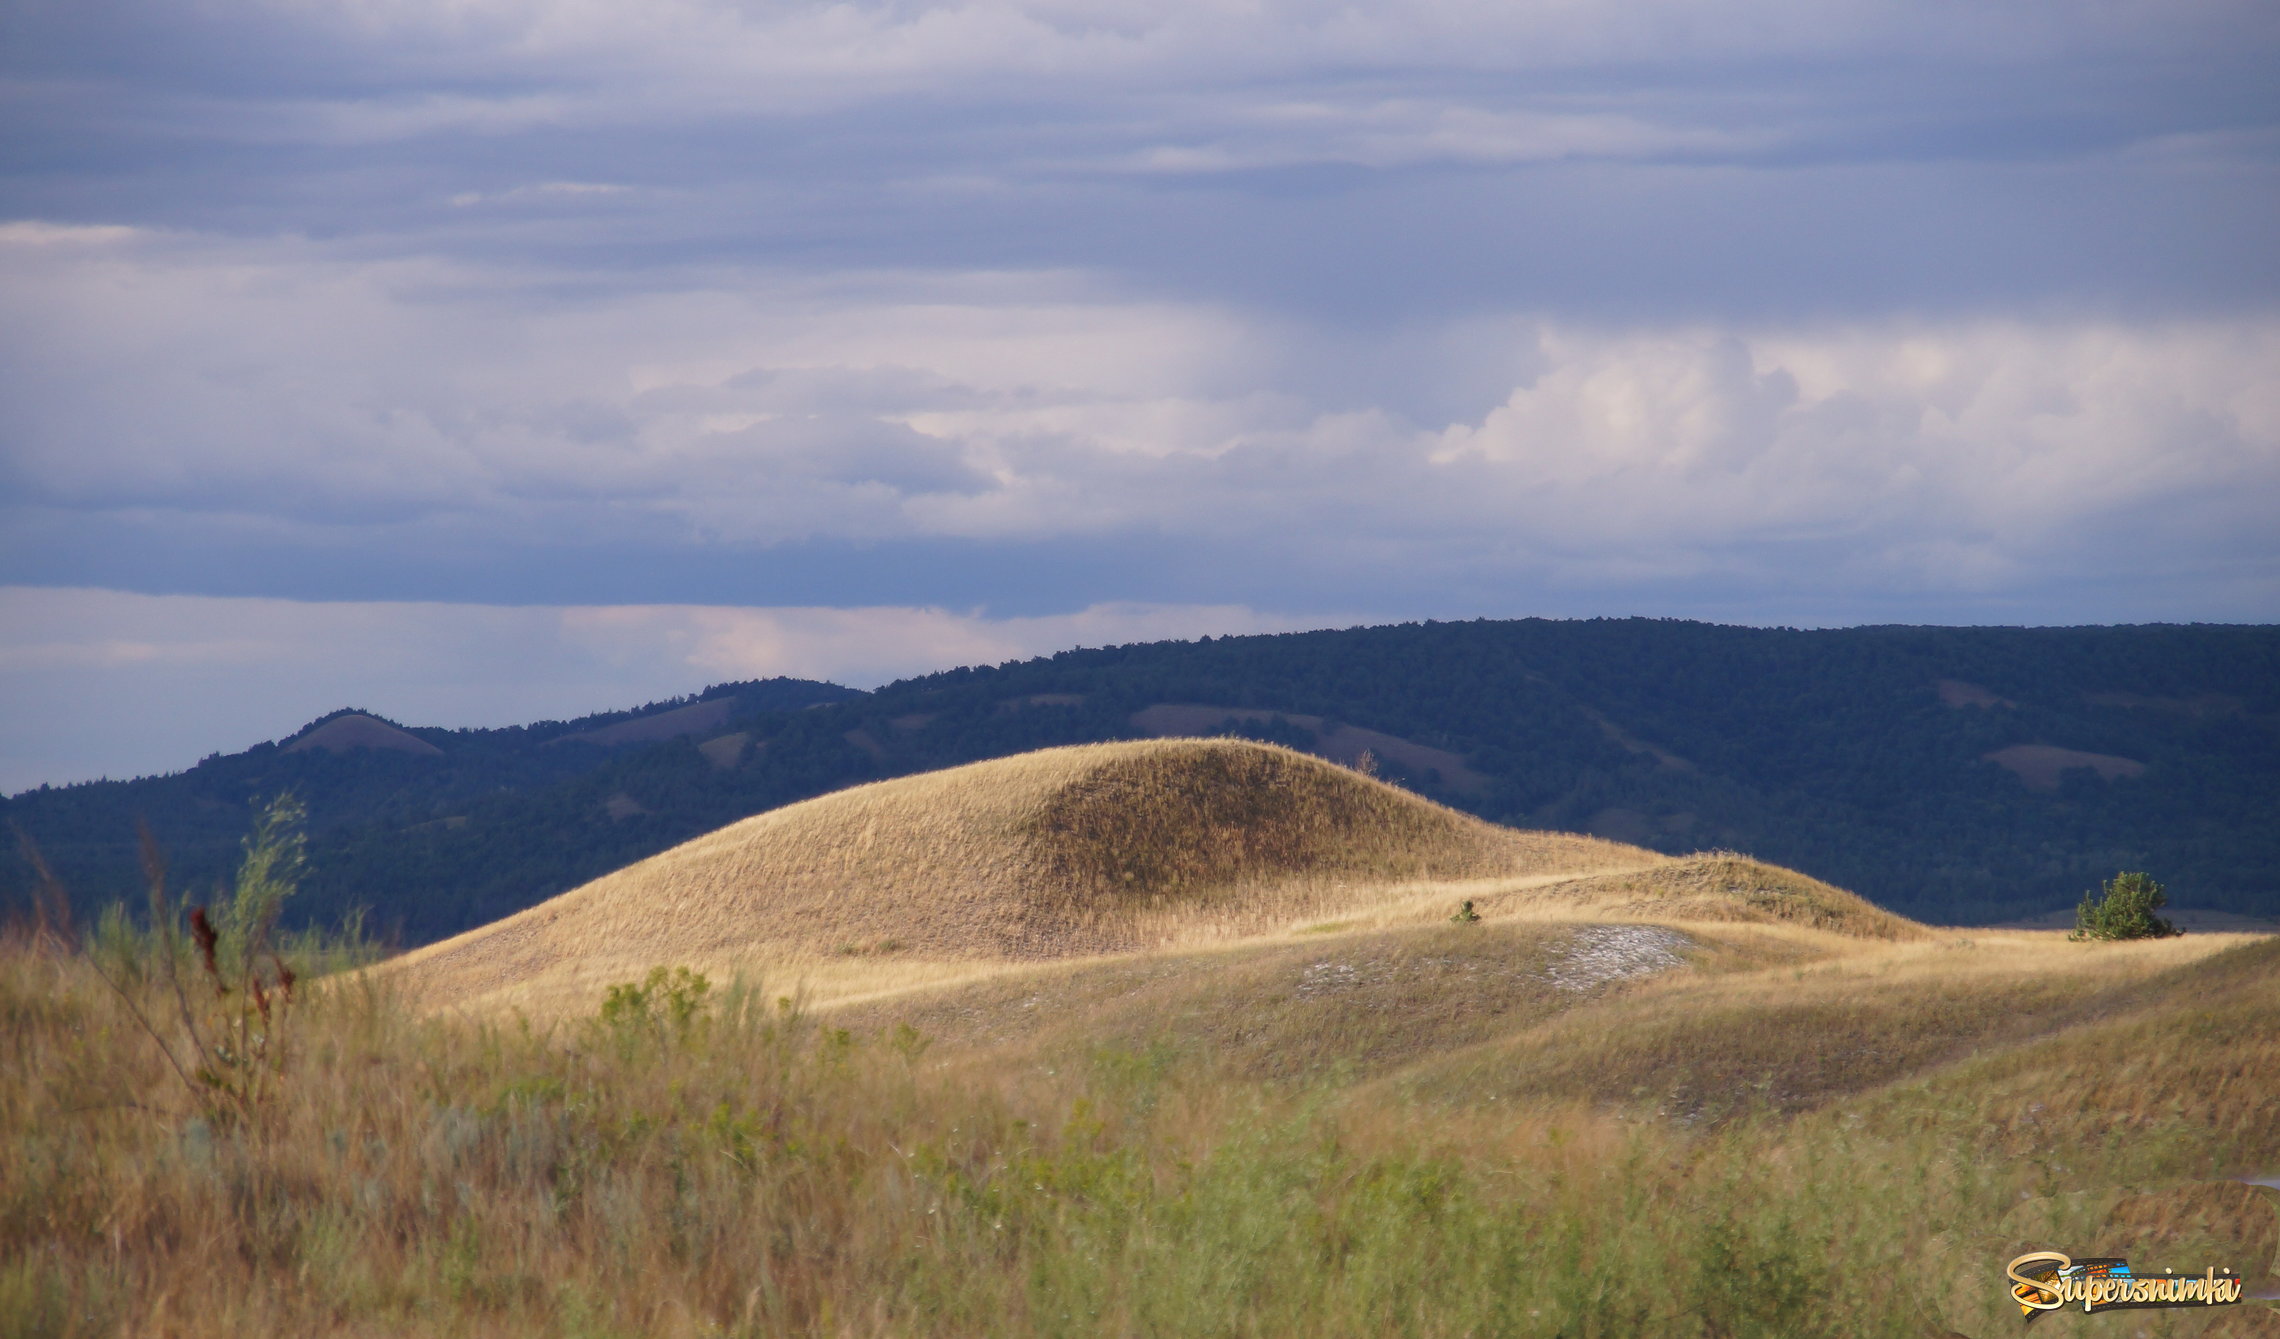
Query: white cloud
x: 1940, y: 453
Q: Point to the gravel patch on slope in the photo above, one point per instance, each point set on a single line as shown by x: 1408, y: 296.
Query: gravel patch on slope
x: 1594, y: 956
x: 1602, y: 954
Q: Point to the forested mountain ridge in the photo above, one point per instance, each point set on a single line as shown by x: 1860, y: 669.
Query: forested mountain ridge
x: 1953, y: 774
x: 367, y: 783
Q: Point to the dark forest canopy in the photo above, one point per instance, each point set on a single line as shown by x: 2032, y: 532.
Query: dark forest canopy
x: 1954, y: 774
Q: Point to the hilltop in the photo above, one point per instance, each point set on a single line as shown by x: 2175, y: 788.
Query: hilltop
x: 1086, y: 850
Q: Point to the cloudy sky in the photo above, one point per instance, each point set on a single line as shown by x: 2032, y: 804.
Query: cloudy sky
x: 478, y: 360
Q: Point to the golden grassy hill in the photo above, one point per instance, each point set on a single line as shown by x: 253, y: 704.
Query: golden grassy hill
x: 1095, y: 849
x: 1717, y: 886
x: 1636, y: 1095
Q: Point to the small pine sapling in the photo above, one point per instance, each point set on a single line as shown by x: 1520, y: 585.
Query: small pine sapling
x: 2124, y: 910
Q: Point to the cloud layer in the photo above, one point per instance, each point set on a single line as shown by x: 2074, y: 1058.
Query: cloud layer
x: 314, y: 402
x: 1760, y: 310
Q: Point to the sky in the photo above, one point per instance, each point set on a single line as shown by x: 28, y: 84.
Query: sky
x: 479, y: 361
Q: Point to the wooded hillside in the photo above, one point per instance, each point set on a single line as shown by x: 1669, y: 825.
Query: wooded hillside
x: 1952, y: 774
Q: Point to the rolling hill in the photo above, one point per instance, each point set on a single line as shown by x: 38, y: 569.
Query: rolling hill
x: 1081, y: 852
x: 1214, y: 916
x: 1085, y: 850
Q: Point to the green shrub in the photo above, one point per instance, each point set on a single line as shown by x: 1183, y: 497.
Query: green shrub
x: 2124, y: 911
x: 672, y: 999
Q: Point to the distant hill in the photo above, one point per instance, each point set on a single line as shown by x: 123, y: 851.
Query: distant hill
x: 353, y: 730
x: 1963, y: 775
x: 379, y: 794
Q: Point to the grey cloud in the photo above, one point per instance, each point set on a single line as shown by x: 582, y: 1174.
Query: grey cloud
x: 845, y: 449
x: 1451, y: 304
x: 762, y: 414
x: 974, y: 134
x: 825, y: 390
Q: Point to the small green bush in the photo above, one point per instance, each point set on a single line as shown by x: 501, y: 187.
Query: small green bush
x: 2124, y: 910
x: 672, y: 999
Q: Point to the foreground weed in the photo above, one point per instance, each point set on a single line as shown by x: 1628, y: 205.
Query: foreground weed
x: 209, y: 985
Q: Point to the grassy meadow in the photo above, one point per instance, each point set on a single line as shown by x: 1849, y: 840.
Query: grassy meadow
x: 726, y: 1161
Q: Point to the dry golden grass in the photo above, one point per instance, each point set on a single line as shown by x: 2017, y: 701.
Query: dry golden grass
x: 1841, y: 1019
x: 1720, y: 886
x: 1296, y: 1008
x: 1342, y: 1001
x: 1705, y: 1066
x: 760, y: 1173
x: 1705, y: 1021
x: 1098, y: 849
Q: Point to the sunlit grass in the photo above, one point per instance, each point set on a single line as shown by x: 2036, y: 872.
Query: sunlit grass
x: 1081, y: 851
x: 741, y: 1165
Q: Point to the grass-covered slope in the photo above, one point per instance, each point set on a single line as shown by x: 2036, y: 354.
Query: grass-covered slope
x: 1498, y: 1128
x: 1722, y: 886
x: 1084, y: 850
